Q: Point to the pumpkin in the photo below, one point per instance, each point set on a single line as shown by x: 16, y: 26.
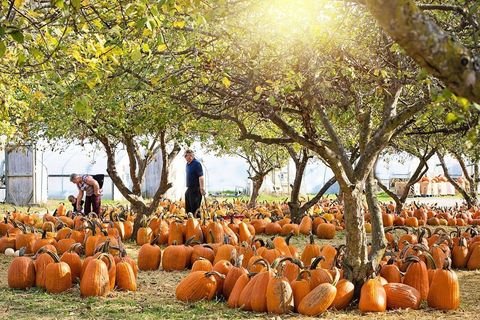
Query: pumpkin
x: 43, y: 241
x: 300, y: 288
x: 42, y: 260
x: 460, y: 254
x: 326, y: 230
x: 345, y: 291
x: 240, y: 284
x: 202, y: 251
x: 58, y: 277
x: 176, y: 232
x: 372, y: 297
x: 72, y: 258
x: 474, y: 256
x: 149, y: 256
x: 279, y: 293
x: 125, y: 276
x: 402, y: 296
x: 253, y: 295
x: 390, y: 272
x: 416, y: 275
x: 319, y: 299
x: 202, y: 264
x: 310, y: 252
x: 193, y: 229
x: 320, y: 275
x: 444, y: 291
x: 176, y: 257
x: 21, y: 273
x: 144, y: 235
x: 197, y: 286
x: 215, y: 231
x: 235, y: 272
x: 306, y: 224
x: 95, y: 280
x: 7, y: 242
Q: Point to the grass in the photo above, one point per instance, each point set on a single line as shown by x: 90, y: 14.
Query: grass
x: 155, y: 299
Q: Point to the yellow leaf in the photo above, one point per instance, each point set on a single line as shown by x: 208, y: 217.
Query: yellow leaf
x: 162, y: 47
x: 179, y: 24
x: 226, y: 82
x: 259, y: 89
x: 19, y: 3
x: 76, y: 55
x: 147, y: 32
x: 145, y: 47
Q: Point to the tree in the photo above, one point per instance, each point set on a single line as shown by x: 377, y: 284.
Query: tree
x: 439, y: 52
x: 327, y: 97
x: 105, y: 74
x: 414, y: 147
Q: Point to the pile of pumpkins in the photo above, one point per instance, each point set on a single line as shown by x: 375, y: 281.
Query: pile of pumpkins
x: 97, y: 274
x: 52, y: 259
x: 290, y: 283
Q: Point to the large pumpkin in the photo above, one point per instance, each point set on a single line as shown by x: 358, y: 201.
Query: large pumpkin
x: 21, y: 273
x: 372, y: 297
x: 402, y: 296
x: 149, y: 256
x: 58, y: 275
x: 444, y: 291
x: 197, y: 286
x: 319, y: 299
x: 95, y: 280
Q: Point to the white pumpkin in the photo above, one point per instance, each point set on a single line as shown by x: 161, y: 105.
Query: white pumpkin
x: 17, y: 253
x: 9, y: 252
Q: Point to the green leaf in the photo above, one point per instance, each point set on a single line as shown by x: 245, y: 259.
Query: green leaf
x: 141, y: 23
x: 3, y: 49
x: 76, y: 3
x: 226, y: 82
x: 136, y: 54
x: 59, y: 4
x: 272, y: 101
x: 21, y: 59
x: 17, y: 35
x: 37, y: 54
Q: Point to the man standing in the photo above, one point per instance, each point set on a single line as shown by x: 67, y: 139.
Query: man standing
x: 195, y: 183
x: 93, y: 198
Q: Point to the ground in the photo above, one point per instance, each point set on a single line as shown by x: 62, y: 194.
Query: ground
x: 155, y: 299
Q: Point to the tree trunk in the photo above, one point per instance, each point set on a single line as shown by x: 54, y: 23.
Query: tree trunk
x: 465, y: 195
x: 393, y: 195
x: 257, y: 182
x: 167, y: 159
x: 142, y: 212
x: 304, y: 208
x: 378, y: 234
x: 474, y: 185
x: 356, y: 263
x: 294, y: 203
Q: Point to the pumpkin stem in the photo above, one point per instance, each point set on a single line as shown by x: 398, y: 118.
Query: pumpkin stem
x: 54, y: 256
x: 315, y: 262
x: 337, y: 276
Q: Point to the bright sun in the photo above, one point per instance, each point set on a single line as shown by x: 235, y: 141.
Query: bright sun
x: 284, y: 19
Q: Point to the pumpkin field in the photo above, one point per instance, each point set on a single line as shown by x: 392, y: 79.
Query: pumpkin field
x: 155, y: 292
x: 352, y: 116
